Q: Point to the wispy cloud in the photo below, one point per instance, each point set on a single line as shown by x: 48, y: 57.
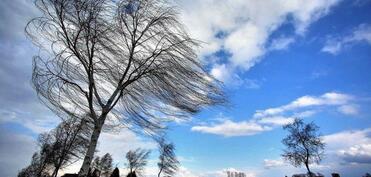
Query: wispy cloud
x: 273, y: 163
x: 268, y: 119
x: 281, y: 43
x: 335, y: 45
x: 327, y: 99
x: 229, y: 128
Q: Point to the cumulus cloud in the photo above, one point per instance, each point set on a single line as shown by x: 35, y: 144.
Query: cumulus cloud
x: 357, y: 154
x: 243, y: 28
x: 359, y: 34
x: 350, y: 146
x: 272, y: 163
x: 268, y: 119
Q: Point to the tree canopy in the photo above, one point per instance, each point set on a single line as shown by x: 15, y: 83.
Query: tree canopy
x: 303, y: 144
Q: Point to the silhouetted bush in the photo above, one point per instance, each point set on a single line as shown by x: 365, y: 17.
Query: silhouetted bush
x: 335, y: 175
x: 132, y: 174
x: 115, y: 173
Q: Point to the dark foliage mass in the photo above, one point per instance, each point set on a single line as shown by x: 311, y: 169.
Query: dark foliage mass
x: 303, y: 144
x: 126, y: 62
x: 115, y: 173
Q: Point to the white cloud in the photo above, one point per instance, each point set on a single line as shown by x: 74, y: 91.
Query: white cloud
x: 221, y: 72
x: 29, y: 120
x: 268, y: 119
x: 246, y: 25
x: 271, y: 163
x: 327, y: 99
x: 117, y: 144
x: 350, y: 146
x: 357, y: 154
x: 350, y: 109
x: 229, y: 128
x: 281, y: 43
x: 335, y: 45
x: 276, y: 120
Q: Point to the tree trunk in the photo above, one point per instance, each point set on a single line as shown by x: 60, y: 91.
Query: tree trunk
x: 307, y: 166
x: 159, y: 173
x: 55, y: 172
x: 90, y: 153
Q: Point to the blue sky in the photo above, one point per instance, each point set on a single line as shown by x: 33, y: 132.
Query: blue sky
x: 278, y: 60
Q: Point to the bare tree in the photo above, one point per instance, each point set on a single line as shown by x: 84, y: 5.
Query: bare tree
x: 40, y: 165
x: 107, y: 163
x: 59, y: 148
x: 128, y: 62
x: 137, y: 160
x: 69, y: 142
x: 168, y: 163
x: 104, y: 164
x: 303, y: 144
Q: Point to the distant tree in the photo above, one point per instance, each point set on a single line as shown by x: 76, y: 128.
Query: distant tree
x: 303, y: 144
x: 39, y: 167
x: 168, y: 164
x: 130, y: 61
x: 70, y: 140
x: 96, y: 164
x: 137, y: 160
x: 104, y: 164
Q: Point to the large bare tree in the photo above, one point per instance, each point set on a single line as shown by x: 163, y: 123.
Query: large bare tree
x: 125, y: 62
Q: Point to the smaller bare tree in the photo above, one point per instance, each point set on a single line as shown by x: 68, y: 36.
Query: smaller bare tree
x: 68, y: 142
x: 168, y: 164
x: 137, y: 160
x: 40, y: 165
x: 304, y: 144
x: 104, y: 164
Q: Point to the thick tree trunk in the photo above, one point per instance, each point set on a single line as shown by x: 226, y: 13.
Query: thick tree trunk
x: 90, y: 153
